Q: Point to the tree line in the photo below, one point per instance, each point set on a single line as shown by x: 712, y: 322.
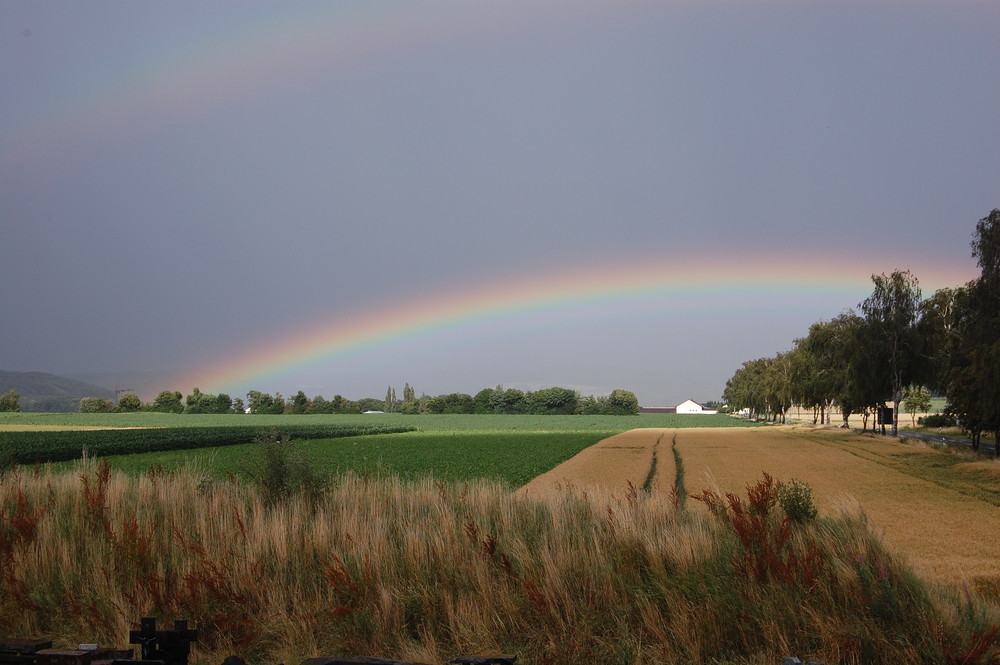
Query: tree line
x: 547, y: 401
x: 898, y: 348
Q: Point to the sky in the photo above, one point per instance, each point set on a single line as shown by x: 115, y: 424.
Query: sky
x: 339, y: 197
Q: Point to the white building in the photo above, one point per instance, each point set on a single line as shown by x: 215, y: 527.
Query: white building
x: 691, y: 406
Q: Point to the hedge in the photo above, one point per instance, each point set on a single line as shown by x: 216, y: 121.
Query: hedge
x: 938, y: 420
x: 27, y: 447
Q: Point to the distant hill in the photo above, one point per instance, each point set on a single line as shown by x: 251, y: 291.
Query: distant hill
x: 41, y: 391
x: 146, y: 383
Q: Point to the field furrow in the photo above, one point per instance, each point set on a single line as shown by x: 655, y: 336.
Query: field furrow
x: 611, y: 464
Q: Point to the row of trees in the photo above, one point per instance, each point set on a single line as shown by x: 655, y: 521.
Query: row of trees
x: 896, y: 348
x: 489, y: 400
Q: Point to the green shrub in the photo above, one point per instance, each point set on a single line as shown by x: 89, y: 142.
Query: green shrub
x: 796, y: 499
x: 95, y: 405
x: 280, y: 470
x: 937, y: 420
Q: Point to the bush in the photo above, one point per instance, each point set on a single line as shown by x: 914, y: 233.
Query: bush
x: 938, y: 420
x: 129, y: 403
x: 796, y: 499
x: 96, y: 405
x: 10, y: 401
x: 280, y: 470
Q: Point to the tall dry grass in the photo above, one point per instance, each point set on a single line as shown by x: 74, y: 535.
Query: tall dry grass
x: 426, y: 572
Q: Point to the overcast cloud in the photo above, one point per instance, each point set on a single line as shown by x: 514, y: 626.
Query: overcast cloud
x: 182, y: 179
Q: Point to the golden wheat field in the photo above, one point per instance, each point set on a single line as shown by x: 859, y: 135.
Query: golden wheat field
x: 944, y: 532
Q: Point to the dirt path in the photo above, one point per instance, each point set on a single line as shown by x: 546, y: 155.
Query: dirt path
x: 640, y: 457
x: 945, y: 534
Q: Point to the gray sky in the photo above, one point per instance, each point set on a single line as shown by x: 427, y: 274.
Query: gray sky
x: 181, y: 182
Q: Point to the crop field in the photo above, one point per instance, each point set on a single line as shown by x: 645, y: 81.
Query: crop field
x: 940, y: 509
x: 423, y: 422
x: 513, y: 458
x: 941, y: 514
x: 425, y: 571
x: 503, y: 448
x: 418, y: 549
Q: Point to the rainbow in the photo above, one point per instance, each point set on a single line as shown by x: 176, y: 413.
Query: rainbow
x: 585, y: 293
x: 285, y: 45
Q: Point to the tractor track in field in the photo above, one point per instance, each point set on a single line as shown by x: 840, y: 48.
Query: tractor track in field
x: 631, y: 458
x: 945, y: 526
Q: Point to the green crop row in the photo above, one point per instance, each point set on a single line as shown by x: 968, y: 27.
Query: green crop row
x: 26, y: 447
x: 512, y: 458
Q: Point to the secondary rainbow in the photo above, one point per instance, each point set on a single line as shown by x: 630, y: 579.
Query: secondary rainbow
x: 257, y: 53
x: 691, y: 286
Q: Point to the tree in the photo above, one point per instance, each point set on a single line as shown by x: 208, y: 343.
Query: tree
x: 515, y: 401
x: 778, y: 385
x: 168, y: 401
x: 129, y: 402
x: 764, y: 387
x: 96, y: 405
x: 986, y: 250
x: 744, y: 390
x: 819, y: 367
x: 940, y: 333
x: 499, y: 400
x: 199, y: 402
x: 300, y: 403
x: 828, y: 368
x: 390, y: 400
x: 853, y: 394
x: 10, y: 401
x: 916, y: 400
x: 588, y: 405
x: 761, y: 387
x: 265, y: 403
x: 451, y: 403
x: 483, y: 400
x: 891, y: 317
x: 622, y: 403
x: 974, y: 382
x: 859, y: 394
x: 340, y: 404
x: 224, y: 404
x: 370, y: 404
x: 553, y: 401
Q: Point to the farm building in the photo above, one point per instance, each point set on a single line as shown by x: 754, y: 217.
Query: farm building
x: 658, y: 409
x: 691, y: 406
x: 687, y: 406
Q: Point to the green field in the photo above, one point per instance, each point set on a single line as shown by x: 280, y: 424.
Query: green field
x: 509, y: 457
x: 423, y: 422
x: 510, y: 449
